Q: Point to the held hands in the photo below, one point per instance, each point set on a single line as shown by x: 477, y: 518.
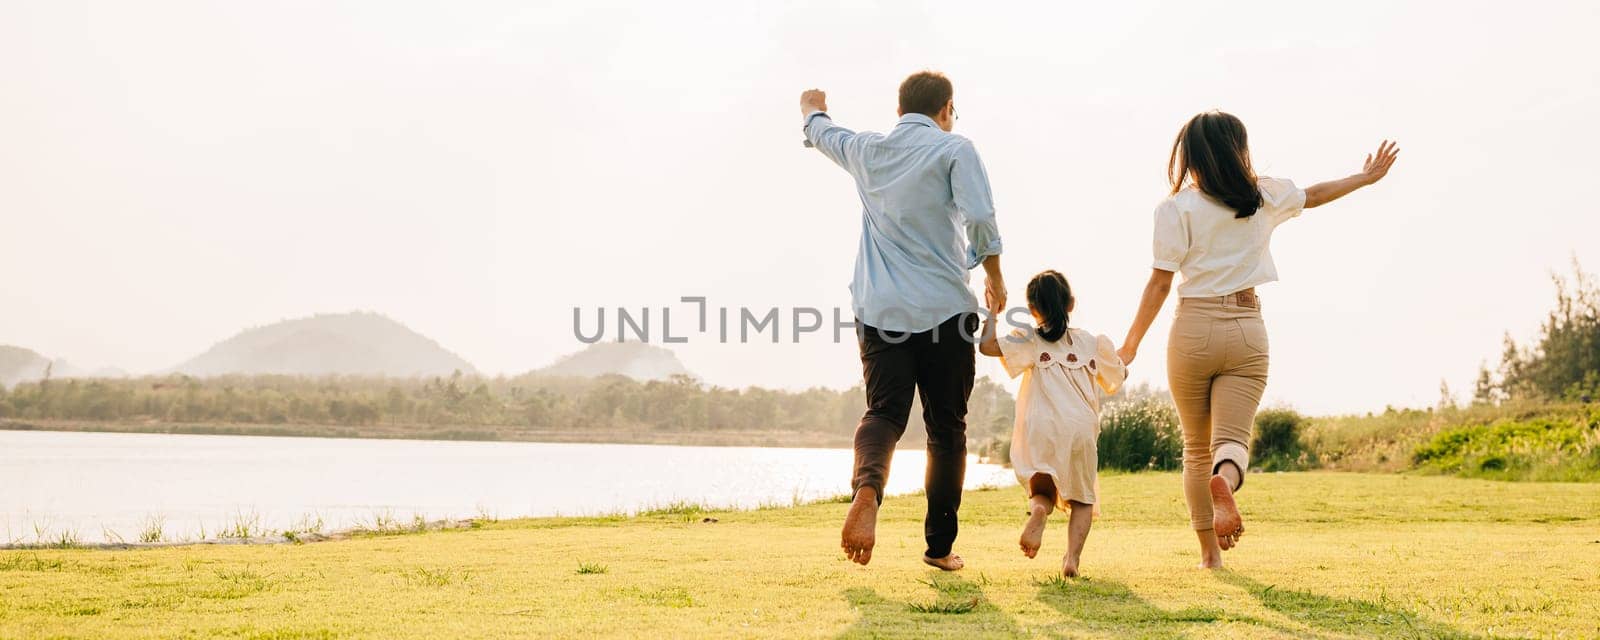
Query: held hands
x: 1377, y: 166
x: 994, y: 295
x: 1127, y: 352
x: 813, y: 100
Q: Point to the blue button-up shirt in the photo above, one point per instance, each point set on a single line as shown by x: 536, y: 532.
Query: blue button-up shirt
x: 920, y: 188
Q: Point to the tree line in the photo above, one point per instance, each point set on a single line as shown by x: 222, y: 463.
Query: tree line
x: 1563, y: 363
x: 528, y: 402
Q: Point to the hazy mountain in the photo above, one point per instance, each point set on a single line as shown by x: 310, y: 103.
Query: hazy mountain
x: 633, y: 359
x: 20, y: 365
x: 26, y: 365
x: 358, y: 343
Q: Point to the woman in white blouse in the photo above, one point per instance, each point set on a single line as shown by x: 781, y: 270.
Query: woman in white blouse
x: 1215, y: 227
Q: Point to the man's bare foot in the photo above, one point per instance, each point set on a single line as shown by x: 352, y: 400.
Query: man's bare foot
x: 1210, y: 552
x: 1225, y: 520
x: 950, y: 562
x: 1033, y: 530
x: 860, y: 527
x: 1069, y: 566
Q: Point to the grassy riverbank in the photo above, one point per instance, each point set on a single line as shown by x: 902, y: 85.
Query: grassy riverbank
x: 1328, y: 555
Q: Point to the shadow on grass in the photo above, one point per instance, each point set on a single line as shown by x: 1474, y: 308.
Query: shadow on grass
x: 1343, y: 615
x: 957, y: 608
x: 1112, y: 609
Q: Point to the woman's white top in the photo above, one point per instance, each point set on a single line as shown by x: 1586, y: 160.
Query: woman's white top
x: 1058, y: 407
x: 1217, y: 253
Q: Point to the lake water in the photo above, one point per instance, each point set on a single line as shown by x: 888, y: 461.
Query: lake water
x: 105, y: 486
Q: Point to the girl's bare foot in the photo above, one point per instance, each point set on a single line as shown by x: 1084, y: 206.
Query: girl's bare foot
x: 860, y: 527
x: 1069, y: 566
x: 950, y: 562
x: 1225, y: 519
x: 1078, y: 524
x: 1033, y: 530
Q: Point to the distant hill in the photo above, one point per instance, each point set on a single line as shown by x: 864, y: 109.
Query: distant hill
x: 20, y: 365
x: 633, y: 359
x: 26, y: 365
x: 358, y: 343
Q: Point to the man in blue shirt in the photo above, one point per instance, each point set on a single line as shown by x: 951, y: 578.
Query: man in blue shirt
x: 927, y: 218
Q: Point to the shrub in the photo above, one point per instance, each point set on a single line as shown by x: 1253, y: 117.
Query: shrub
x: 1277, y: 445
x: 1550, y: 448
x: 997, y: 449
x: 1140, y: 434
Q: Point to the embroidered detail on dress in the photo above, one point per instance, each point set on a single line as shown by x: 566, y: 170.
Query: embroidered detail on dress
x: 1091, y: 364
x: 1072, y: 357
x: 1044, y: 357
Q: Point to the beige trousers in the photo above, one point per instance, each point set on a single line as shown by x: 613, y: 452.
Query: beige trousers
x: 1217, y: 369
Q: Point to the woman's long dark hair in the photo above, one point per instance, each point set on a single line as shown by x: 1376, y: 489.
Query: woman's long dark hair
x: 1050, y: 295
x: 1213, y: 151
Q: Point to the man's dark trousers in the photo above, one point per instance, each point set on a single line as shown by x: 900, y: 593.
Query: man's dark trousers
x: 939, y: 365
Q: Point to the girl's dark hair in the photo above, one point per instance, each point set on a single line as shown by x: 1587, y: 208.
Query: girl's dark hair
x: 1213, y: 151
x: 1050, y: 295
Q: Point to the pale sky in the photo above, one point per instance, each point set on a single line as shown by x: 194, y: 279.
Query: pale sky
x: 173, y: 172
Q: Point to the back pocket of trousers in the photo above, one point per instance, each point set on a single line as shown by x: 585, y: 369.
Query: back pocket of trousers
x: 1254, y: 332
x: 1191, y: 337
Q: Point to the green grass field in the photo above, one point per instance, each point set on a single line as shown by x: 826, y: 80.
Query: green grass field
x: 1327, y: 555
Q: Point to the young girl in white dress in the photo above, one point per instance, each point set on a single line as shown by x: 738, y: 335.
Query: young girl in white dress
x: 1053, y: 445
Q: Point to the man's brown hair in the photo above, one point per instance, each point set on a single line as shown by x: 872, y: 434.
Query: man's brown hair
x: 925, y: 92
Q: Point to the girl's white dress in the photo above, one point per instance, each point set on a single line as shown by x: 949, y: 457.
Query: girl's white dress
x: 1058, y: 409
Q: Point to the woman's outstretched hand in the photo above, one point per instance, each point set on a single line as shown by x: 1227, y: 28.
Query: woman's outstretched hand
x: 1373, y: 170
x: 1377, y: 165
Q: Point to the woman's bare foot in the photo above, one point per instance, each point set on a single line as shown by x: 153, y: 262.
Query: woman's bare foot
x: 1225, y: 519
x: 1069, y: 566
x: 860, y: 527
x: 950, y: 562
x: 1033, y: 530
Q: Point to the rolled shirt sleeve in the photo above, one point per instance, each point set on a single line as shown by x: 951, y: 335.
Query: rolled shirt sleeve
x: 969, y: 184
x: 829, y: 138
x: 1171, y: 242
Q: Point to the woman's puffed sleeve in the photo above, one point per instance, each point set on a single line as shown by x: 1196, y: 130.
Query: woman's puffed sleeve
x: 1281, y: 199
x: 1109, y: 372
x: 1171, y: 243
x: 1018, y: 351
